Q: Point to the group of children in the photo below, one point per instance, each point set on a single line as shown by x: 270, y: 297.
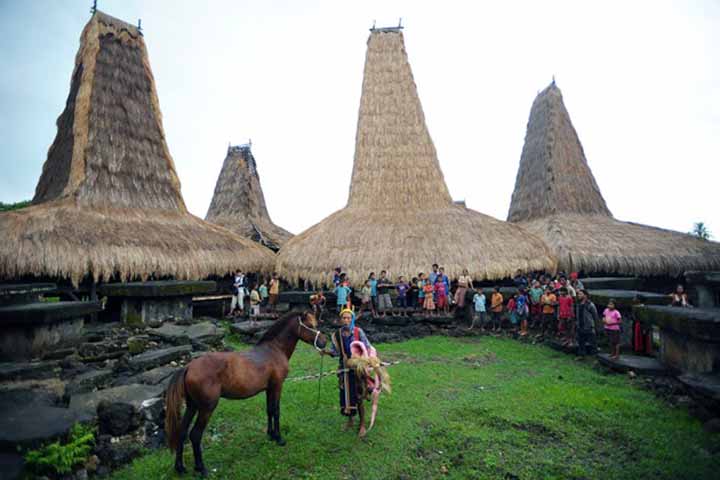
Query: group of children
x: 550, y: 306
x: 430, y: 292
x: 261, y: 294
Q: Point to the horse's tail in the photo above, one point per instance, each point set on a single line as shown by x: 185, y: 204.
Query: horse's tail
x: 174, y: 396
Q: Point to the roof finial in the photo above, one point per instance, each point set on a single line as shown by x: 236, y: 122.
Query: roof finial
x: 250, y: 142
x: 373, y: 27
x: 140, y: 25
x: 553, y: 82
x: 400, y: 23
x: 93, y: 9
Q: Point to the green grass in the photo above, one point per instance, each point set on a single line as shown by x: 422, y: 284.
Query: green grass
x: 460, y: 408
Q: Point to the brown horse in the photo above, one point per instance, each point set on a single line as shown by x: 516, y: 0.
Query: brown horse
x: 235, y: 375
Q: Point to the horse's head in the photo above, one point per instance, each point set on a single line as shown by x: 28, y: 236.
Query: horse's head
x: 308, y: 332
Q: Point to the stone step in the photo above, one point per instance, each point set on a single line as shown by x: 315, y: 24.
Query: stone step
x: 204, y: 332
x: 156, y: 376
x: 635, y: 363
x: 706, y: 385
x: 27, y: 370
x: 251, y: 328
x: 44, y: 313
x: 697, y: 323
x: 31, y: 426
x: 162, y: 288
x: 84, y: 405
x: 156, y: 358
x: 88, y: 381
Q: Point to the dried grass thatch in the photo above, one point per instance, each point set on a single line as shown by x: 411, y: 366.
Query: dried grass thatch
x: 557, y: 199
x: 400, y: 216
x: 239, y: 204
x: 108, y: 201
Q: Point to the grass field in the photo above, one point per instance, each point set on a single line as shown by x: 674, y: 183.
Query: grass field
x: 460, y: 408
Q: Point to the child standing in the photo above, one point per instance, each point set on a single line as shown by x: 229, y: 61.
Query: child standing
x: 511, y: 311
x: 317, y: 302
x: 413, y: 294
x: 366, y: 299
x: 254, y: 303
x: 613, y: 321
x: 421, y: 292
x: 441, y: 294
x: 522, y: 311
x: 402, y: 292
x: 343, y: 293
x: 480, y: 310
x: 428, y: 302
x: 548, y: 300
x: 263, y: 291
x: 566, y: 305
x: 496, y: 308
x: 536, y: 293
x: 274, y: 291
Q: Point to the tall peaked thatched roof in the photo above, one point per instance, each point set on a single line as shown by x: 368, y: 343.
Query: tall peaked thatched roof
x: 108, y: 202
x: 239, y: 204
x: 557, y: 198
x: 400, y: 216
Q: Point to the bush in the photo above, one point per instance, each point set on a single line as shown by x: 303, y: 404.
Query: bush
x: 57, y: 458
x: 6, y: 207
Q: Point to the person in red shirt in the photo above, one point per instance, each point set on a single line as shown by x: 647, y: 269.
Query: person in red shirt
x: 565, y: 314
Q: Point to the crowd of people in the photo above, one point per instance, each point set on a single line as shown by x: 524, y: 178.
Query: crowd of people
x: 262, y: 294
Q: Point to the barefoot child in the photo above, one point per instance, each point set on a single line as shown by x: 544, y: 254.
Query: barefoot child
x: 441, y: 295
x: 566, y: 307
x: 512, y: 314
x: 429, y: 303
x: 366, y: 299
x: 522, y: 311
x: 496, y: 308
x: 613, y: 320
x: 480, y: 310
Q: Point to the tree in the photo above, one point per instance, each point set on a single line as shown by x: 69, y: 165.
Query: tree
x: 6, y: 207
x: 700, y: 231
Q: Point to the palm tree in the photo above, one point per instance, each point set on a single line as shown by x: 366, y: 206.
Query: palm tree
x: 700, y: 230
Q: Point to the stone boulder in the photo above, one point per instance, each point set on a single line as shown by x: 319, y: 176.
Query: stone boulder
x: 117, y: 418
x: 156, y: 358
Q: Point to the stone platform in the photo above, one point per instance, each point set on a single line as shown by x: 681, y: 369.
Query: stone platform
x: 14, y: 294
x: 611, y: 283
x: 141, y: 302
x: 634, y: 363
x: 31, y: 329
x: 707, y: 287
x: 627, y: 298
x: 689, y: 337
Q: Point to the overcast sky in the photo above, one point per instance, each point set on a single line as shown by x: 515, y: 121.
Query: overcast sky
x: 640, y: 79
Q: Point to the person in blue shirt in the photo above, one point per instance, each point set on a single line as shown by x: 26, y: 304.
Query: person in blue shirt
x: 373, y: 291
x: 343, y: 292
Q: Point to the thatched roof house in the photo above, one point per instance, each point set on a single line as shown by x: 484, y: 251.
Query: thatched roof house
x: 557, y: 198
x: 239, y: 204
x: 108, y: 203
x: 400, y: 216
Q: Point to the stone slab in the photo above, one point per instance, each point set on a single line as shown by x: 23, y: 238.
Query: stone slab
x: 707, y: 278
x: 707, y: 385
x: 156, y: 358
x: 84, y: 406
x: 45, y: 313
x: 27, y: 371
x: 156, y: 376
x: 88, y: 381
x: 628, y: 298
x: 18, y: 293
x: 698, y: 323
x: 611, y: 283
x: 636, y: 363
x: 33, y: 425
x: 205, y: 332
x: 248, y: 328
x: 171, y: 288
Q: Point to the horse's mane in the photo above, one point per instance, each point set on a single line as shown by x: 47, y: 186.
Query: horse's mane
x: 279, y: 326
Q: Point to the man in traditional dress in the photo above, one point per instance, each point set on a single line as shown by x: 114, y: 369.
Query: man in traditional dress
x: 351, y: 395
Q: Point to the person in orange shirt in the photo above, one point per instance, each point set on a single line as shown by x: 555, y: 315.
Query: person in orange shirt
x: 548, y: 301
x: 496, y: 309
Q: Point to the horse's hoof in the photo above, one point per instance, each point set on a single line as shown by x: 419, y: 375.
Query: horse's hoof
x: 202, y: 471
x: 181, y: 470
x: 281, y: 442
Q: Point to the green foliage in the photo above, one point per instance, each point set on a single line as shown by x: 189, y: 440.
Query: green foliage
x: 700, y: 230
x: 6, y: 207
x: 57, y: 458
x: 477, y: 407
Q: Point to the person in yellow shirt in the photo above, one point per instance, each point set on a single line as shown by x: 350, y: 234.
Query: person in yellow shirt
x: 496, y: 309
x: 254, y: 303
x: 548, y: 302
x: 274, y: 291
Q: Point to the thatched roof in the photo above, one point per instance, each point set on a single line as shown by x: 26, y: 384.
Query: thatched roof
x: 108, y: 201
x: 239, y: 204
x: 400, y: 216
x: 557, y: 198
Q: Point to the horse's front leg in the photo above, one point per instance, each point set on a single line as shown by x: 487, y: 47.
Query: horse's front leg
x: 269, y: 408
x: 278, y: 437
